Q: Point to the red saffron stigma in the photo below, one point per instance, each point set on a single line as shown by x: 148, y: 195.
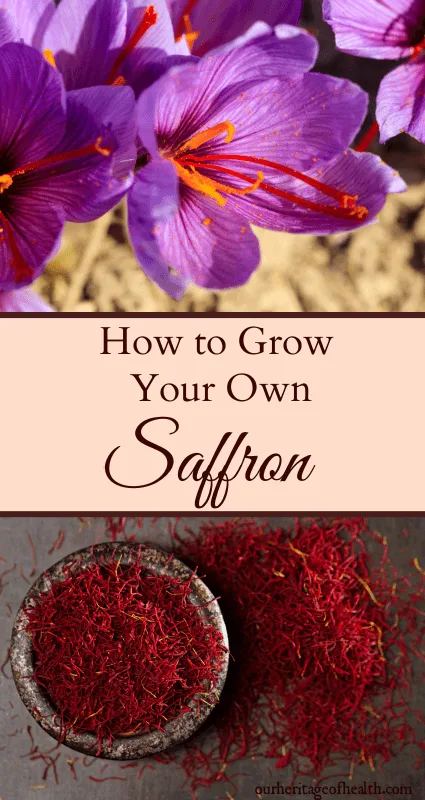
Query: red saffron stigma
x: 418, y: 50
x: 368, y: 138
x: 89, y: 150
x: 324, y: 634
x: 347, y: 203
x: 21, y: 270
x: 149, y: 19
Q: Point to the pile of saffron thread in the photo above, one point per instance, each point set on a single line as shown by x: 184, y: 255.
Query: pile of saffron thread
x: 120, y: 650
x: 324, y: 645
x: 285, y: 701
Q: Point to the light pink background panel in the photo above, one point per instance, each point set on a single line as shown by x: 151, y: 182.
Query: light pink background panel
x: 65, y: 407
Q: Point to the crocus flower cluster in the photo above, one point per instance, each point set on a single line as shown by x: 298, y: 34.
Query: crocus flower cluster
x: 206, y: 115
x: 394, y: 29
x: 221, y: 151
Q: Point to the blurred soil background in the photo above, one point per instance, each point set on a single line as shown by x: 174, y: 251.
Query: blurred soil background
x: 378, y: 268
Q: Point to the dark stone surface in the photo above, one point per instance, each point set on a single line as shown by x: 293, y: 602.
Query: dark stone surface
x: 19, y: 775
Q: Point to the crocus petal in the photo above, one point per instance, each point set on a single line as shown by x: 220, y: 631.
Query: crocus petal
x: 84, y: 36
x: 263, y: 53
x: 145, y: 66
x: 23, y: 300
x: 29, y: 18
x: 33, y: 94
x: 374, y: 28
x: 208, y: 245
x: 113, y: 107
x: 358, y: 174
x: 283, y: 48
x: 87, y: 187
x: 295, y: 122
x: 224, y: 20
x: 401, y: 101
x: 152, y: 200
x: 156, y: 52
x: 170, y: 227
x: 150, y: 58
x: 36, y: 228
x: 161, y: 35
x: 8, y: 30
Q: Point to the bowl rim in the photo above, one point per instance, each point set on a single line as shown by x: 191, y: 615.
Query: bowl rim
x: 177, y: 730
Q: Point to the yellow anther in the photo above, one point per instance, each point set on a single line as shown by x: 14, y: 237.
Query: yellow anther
x: 199, y: 183
x: 48, y: 55
x: 206, y: 136
x: 5, y: 183
x: 211, y: 187
x: 104, y: 151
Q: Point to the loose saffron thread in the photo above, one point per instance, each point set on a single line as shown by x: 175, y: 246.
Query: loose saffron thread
x: 3, y: 575
x: 5, y: 662
x: 58, y: 542
x: 321, y: 670
x: 149, y: 19
x: 33, y: 554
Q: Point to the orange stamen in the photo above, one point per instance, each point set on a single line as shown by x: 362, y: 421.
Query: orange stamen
x: 21, y: 270
x: 190, y: 35
x: 149, y: 19
x: 182, y: 27
x: 5, y: 183
x: 211, y: 187
x: 48, y: 55
x: 59, y: 158
x: 200, y: 183
x: 120, y: 81
x: 205, y: 136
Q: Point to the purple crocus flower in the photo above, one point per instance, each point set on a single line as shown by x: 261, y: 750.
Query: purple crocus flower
x: 23, y: 301
x: 95, y: 42
x: 226, y: 144
x: 393, y: 29
x: 59, y: 161
x: 205, y: 25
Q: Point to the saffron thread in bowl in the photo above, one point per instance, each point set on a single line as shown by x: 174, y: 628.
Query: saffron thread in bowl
x: 121, y: 650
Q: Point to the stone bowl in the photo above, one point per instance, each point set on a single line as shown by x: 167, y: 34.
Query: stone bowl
x: 37, y: 702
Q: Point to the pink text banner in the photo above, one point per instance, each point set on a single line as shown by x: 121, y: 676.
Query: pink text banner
x: 226, y: 413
